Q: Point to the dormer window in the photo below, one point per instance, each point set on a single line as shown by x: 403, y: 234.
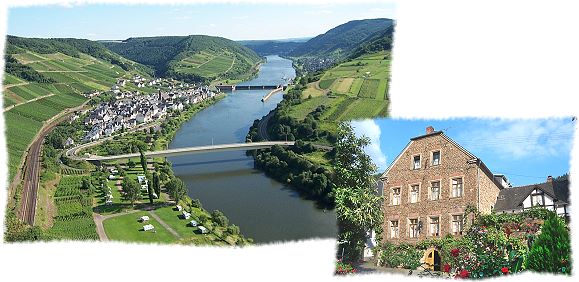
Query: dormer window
x: 537, y: 198
x: 416, y: 162
x: 436, y: 158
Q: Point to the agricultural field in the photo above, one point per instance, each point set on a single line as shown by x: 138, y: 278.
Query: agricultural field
x: 359, y: 89
x: 32, y: 104
x: 73, y: 219
x: 214, y: 65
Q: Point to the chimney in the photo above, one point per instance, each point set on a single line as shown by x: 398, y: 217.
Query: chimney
x: 429, y: 129
x: 549, y: 178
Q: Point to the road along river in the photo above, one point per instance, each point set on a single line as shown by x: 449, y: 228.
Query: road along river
x: 264, y: 209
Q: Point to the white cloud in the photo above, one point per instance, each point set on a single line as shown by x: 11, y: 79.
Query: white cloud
x: 520, y: 138
x: 370, y: 129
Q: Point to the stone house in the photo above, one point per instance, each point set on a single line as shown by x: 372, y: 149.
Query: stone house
x: 428, y: 187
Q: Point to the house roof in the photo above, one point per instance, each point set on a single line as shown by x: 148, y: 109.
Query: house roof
x: 512, y: 198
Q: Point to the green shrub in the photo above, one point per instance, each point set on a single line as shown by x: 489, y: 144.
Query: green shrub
x: 403, y: 255
x: 551, y: 251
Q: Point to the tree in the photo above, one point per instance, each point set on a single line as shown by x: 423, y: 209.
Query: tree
x: 143, y: 160
x: 551, y: 251
x: 196, y: 203
x: 233, y: 229
x: 219, y: 218
x: 358, y: 208
x: 131, y: 163
x: 131, y: 189
x: 176, y: 188
x: 156, y: 184
x: 150, y: 191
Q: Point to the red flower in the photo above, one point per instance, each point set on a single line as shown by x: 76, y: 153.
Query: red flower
x: 446, y: 267
x: 505, y: 270
x: 464, y: 273
x: 455, y: 252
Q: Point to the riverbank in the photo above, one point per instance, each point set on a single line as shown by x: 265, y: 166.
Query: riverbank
x: 305, y: 168
x: 264, y: 208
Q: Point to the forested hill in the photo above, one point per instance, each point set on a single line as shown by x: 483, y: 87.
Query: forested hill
x: 69, y: 46
x: 194, y: 57
x: 282, y: 47
x: 376, y: 42
x: 341, y: 40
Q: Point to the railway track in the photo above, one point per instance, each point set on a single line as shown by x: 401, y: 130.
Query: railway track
x: 27, y: 210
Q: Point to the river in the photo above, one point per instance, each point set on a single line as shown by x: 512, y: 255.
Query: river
x: 264, y: 209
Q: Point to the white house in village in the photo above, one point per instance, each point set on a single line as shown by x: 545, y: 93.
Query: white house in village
x: 552, y: 194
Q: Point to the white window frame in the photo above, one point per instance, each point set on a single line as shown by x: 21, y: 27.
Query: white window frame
x: 439, y: 158
x: 456, y: 188
x: 538, y: 195
x: 435, y: 226
x: 413, y: 231
x: 394, y: 229
x: 457, y: 224
x: 411, y: 193
x: 414, y: 167
x: 432, y: 190
x: 396, y: 198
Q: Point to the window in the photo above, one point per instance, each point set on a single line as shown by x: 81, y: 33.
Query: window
x: 436, y: 158
x: 457, y: 187
x: 416, y: 163
x: 396, y: 196
x: 537, y: 198
x: 457, y: 224
x: 414, y: 192
x: 434, y: 226
x: 394, y: 229
x: 414, y: 231
x: 435, y: 190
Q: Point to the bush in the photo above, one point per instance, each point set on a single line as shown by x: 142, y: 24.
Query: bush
x: 343, y: 268
x: 551, y: 251
x: 403, y: 255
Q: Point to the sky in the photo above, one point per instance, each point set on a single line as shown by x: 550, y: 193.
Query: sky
x: 232, y: 21
x: 526, y: 151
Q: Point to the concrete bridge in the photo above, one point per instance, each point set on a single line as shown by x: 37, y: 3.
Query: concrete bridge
x: 188, y: 150
x: 249, y: 87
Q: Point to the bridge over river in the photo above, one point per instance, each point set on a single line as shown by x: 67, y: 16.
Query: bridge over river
x: 188, y: 150
x: 228, y: 87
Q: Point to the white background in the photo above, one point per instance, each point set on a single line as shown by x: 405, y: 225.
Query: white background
x: 509, y: 59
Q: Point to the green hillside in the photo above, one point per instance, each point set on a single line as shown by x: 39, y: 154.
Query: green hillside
x: 191, y: 58
x: 46, y: 76
x: 341, y: 40
x: 376, y: 42
x: 356, y: 89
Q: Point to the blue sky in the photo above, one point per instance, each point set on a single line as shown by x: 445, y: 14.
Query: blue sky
x: 526, y: 151
x: 233, y: 21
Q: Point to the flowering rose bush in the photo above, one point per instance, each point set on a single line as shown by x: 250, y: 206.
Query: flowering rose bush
x: 343, y: 268
x: 485, y: 252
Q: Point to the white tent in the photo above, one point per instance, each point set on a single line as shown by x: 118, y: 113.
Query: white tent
x: 179, y: 208
x: 203, y: 229
x: 148, y: 227
x: 144, y: 218
x: 186, y: 215
x: 193, y: 223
